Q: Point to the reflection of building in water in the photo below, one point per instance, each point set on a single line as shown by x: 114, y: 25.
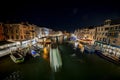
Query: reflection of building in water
x: 45, y: 50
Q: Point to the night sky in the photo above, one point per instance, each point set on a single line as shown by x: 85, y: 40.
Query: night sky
x: 69, y: 15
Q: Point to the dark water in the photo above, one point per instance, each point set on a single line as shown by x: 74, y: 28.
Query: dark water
x: 80, y: 67
x: 32, y: 69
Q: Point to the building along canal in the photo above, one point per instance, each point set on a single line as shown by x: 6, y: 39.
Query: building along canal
x: 74, y: 67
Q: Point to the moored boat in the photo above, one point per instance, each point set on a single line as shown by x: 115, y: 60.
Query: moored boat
x: 34, y: 53
x: 16, y: 57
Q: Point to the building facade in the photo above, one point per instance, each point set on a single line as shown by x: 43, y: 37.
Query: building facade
x: 19, y: 31
x: 38, y: 31
x: 42, y: 31
x: 86, y: 33
x: 109, y: 33
x: 106, y: 37
x: 2, y: 32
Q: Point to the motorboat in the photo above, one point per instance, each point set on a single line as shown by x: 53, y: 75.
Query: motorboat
x: 34, y: 53
x: 89, y: 49
x: 16, y: 57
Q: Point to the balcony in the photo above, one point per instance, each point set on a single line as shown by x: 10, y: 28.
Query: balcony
x: 113, y: 35
x: 27, y: 32
x: 32, y: 30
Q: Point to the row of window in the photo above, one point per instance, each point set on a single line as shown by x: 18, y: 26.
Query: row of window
x: 114, y: 34
x: 103, y: 39
x: 28, y: 27
x: 85, y: 33
x: 108, y: 28
x: 107, y: 40
x: 19, y: 37
x: 102, y: 34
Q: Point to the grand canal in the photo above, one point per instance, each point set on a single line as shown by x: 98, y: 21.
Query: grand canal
x: 80, y: 67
